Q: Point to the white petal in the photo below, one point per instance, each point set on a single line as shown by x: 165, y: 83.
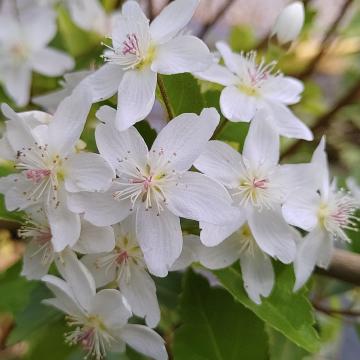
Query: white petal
x: 308, y: 254
x: 140, y: 292
x: 220, y: 162
x: 144, y: 340
x: 300, y: 209
x: 183, y: 139
x: 94, y: 239
x: 287, y: 123
x: 101, y: 209
x: 133, y: 10
x: 320, y: 162
x: 64, y: 225
x: 69, y: 120
x: 273, y: 235
x: 197, y: 197
x: 136, y: 97
x: 78, y: 277
x: 258, y: 275
x: 325, y: 253
x: 65, y: 300
x: 102, y: 275
x: 160, y: 239
x: 182, y: 54
x: 236, y: 105
x: 105, y: 82
x: 17, y: 83
x: 232, y: 60
x: 109, y: 306
x: 115, y: 145
x: 51, y: 101
x: 189, y: 253
x: 40, y: 27
x: 173, y: 18
x: 87, y: 172
x: 284, y: 89
x: 52, y: 62
x: 212, y: 235
x: 218, y: 74
x: 34, y: 268
x: 261, y: 145
x: 6, y: 151
x: 220, y: 256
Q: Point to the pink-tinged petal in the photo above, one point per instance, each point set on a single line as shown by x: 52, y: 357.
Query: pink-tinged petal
x: 287, y: 123
x: 160, y: 239
x: 262, y: 145
x: 173, y: 18
x: 237, y: 106
x: 144, y: 340
x: 183, y: 139
x: 197, y: 197
x: 218, y: 74
x: 52, y: 62
x: 220, y: 162
x: 87, y: 172
x: 273, y: 235
x: 182, y: 54
x: 258, y: 274
x: 136, y: 97
x: 140, y: 293
x: 104, y: 83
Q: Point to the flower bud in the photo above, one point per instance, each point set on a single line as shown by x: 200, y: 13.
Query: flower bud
x: 289, y: 23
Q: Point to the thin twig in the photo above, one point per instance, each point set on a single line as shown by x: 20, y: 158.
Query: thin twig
x: 165, y: 98
x: 330, y: 311
x: 328, y: 38
x: 324, y: 120
x: 207, y: 27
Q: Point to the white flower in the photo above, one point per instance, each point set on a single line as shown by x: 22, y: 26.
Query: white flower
x: 99, y: 319
x: 51, y: 101
x: 289, y: 22
x: 23, y: 49
x: 126, y: 265
x: 139, y: 51
x: 155, y: 184
x: 325, y: 212
x: 250, y: 86
x: 50, y: 169
x: 258, y: 186
x: 39, y: 252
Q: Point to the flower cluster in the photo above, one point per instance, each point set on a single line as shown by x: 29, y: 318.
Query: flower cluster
x: 110, y: 221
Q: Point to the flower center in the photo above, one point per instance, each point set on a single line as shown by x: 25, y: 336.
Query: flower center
x: 18, y: 52
x: 247, y: 241
x: 337, y: 214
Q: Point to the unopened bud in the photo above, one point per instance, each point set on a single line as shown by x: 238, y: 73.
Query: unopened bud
x: 289, y: 23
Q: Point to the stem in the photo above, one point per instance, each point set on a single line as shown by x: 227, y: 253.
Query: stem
x: 327, y: 40
x: 330, y: 311
x: 165, y: 98
x: 220, y: 128
x: 324, y: 120
x: 207, y: 27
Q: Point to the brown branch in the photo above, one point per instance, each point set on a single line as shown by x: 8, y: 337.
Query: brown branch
x: 324, y: 120
x: 151, y: 10
x: 330, y: 311
x: 327, y: 40
x: 207, y: 27
x: 344, y: 266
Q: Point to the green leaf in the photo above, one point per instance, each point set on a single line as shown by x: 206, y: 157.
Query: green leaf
x: 288, y: 312
x: 242, y: 38
x: 215, y: 327
x: 183, y: 92
x: 280, y: 348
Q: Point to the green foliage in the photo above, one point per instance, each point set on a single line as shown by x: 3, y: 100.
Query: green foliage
x: 242, y: 38
x: 289, y: 313
x: 183, y: 92
x: 215, y: 327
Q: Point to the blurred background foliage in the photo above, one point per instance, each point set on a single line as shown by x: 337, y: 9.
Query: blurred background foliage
x: 200, y: 322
